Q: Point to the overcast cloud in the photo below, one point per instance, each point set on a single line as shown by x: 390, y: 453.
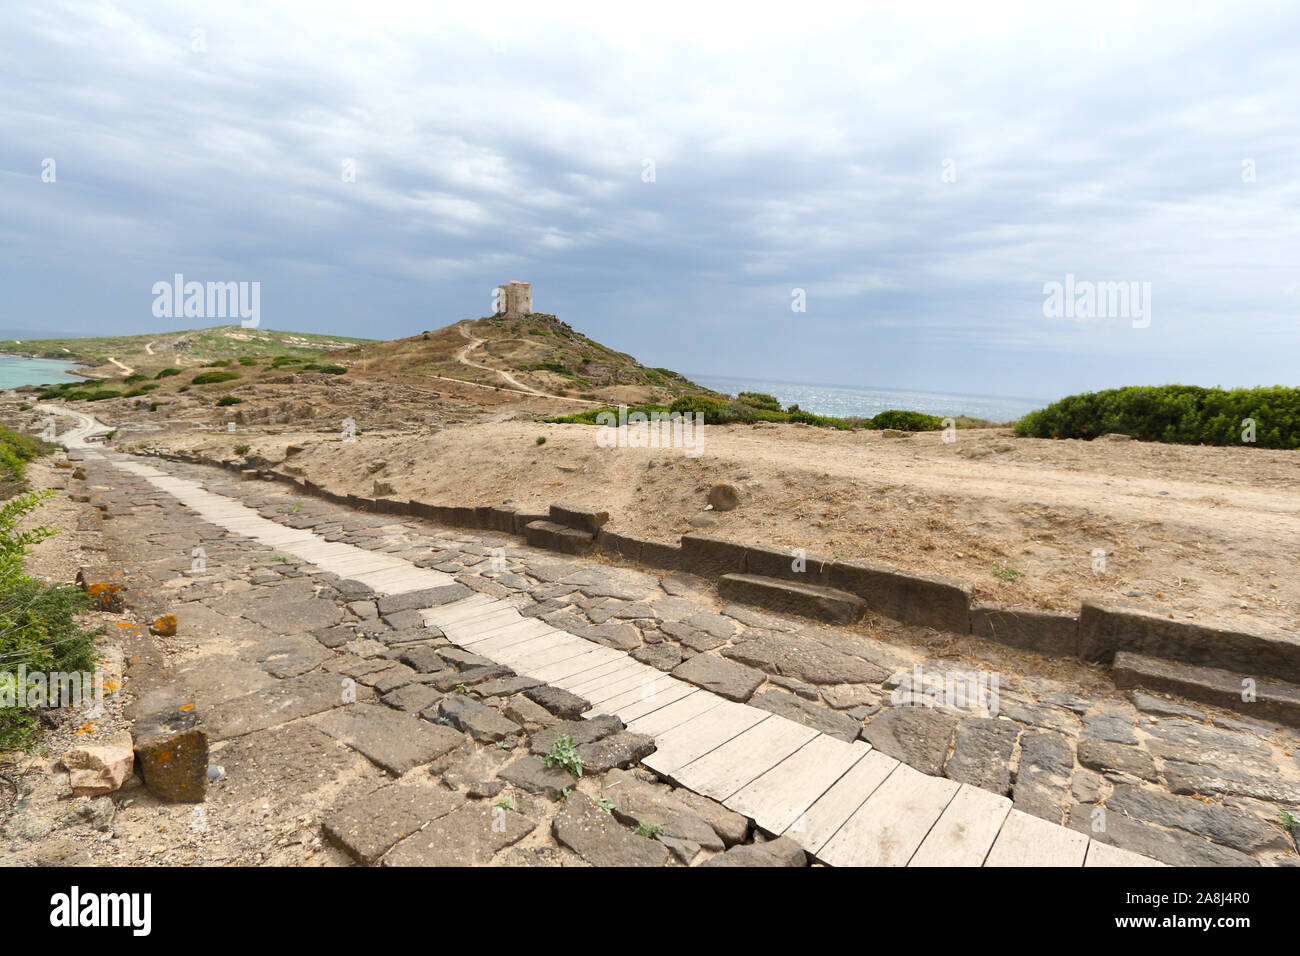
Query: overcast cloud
x: 797, y: 146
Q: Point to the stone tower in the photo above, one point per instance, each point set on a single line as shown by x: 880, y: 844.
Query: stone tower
x: 515, y: 298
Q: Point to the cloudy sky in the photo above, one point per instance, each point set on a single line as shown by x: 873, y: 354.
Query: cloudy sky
x: 667, y: 175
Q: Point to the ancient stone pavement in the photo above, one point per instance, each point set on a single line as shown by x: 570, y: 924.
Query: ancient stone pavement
x: 470, y: 653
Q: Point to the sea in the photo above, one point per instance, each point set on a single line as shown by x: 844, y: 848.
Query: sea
x: 845, y: 400
x: 16, y: 370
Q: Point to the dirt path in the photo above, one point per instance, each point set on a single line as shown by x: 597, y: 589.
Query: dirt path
x: 126, y: 369
x: 462, y: 357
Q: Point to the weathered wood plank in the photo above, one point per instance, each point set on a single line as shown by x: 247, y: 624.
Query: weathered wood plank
x: 778, y: 797
x: 696, y: 737
x: 743, y: 759
x: 1030, y: 841
x: 965, y: 831
x: 1103, y: 854
x: 887, y: 829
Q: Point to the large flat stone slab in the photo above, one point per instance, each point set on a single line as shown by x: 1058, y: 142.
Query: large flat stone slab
x: 369, y: 827
x: 393, y: 740
x: 277, y: 703
x: 470, y: 836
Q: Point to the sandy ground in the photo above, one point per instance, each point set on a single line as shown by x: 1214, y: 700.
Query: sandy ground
x: 1198, y: 532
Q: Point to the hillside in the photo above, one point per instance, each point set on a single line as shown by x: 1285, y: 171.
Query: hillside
x: 536, y: 353
x: 106, y: 355
x: 491, y: 369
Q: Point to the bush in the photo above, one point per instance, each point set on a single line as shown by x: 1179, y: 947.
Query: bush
x: 247, y: 360
x: 225, y: 400
x: 906, y: 421
x: 38, y: 628
x: 16, y: 450
x: 209, y: 378
x: 328, y: 368
x: 133, y: 378
x: 219, y: 363
x: 1178, y: 414
x: 168, y: 372
x: 716, y: 411
x: 759, y: 400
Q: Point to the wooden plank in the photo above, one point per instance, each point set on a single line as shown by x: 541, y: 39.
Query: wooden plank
x: 613, y: 666
x: 887, y: 829
x: 1030, y: 841
x: 566, y: 647
x: 1103, y: 854
x: 660, y: 720
x: 503, y: 624
x: 965, y: 831
x: 507, y: 640
x: 529, y: 635
x: 745, y: 758
x: 520, y: 630
x: 814, y: 828
x: 665, y: 689
x: 641, y: 683
x: 468, y: 615
x: 481, y: 625
x: 563, y: 670
x: 629, y: 669
x: 432, y: 615
x: 778, y: 797
x: 696, y: 737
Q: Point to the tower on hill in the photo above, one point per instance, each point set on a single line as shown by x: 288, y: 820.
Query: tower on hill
x: 515, y: 298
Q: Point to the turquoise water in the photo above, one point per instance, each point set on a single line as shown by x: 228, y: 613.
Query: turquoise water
x: 16, y: 370
x: 845, y: 400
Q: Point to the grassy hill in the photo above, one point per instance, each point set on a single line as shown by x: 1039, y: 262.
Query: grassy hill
x: 184, y: 348
x: 538, y: 351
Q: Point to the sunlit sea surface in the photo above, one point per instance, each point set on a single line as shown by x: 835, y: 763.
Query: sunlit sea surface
x: 845, y: 400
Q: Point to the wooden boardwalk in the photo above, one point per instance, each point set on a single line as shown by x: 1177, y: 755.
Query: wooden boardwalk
x: 844, y: 803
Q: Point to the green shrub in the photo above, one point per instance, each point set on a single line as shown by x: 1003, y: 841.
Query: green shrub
x: 99, y: 394
x: 247, y: 360
x: 1178, y: 414
x: 209, y: 378
x: 16, y: 450
x: 219, y: 363
x: 168, y: 372
x: 133, y: 378
x: 329, y: 368
x: 759, y: 400
x: 225, y: 400
x: 38, y: 628
x: 715, y: 411
x: 906, y: 421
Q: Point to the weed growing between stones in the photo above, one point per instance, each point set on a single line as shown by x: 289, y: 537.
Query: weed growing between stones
x: 564, y: 754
